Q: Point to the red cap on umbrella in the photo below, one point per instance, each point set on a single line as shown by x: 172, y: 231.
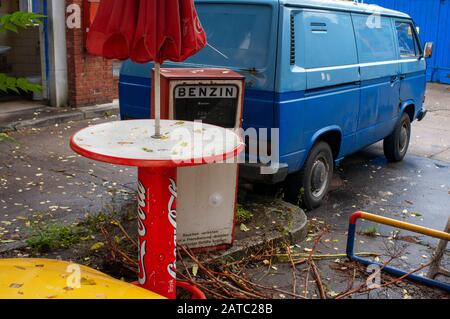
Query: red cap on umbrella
x: 146, y: 30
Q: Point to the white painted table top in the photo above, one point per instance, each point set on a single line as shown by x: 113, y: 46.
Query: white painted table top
x: 131, y: 143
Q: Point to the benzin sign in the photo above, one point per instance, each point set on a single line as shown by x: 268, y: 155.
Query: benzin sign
x: 206, y: 92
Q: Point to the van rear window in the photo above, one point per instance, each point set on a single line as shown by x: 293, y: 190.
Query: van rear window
x: 238, y: 35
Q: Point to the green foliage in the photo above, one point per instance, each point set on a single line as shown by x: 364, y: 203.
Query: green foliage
x: 13, y: 22
x: 8, y: 83
x: 8, y: 139
x: 48, y: 237
x: 243, y: 215
x: 17, y: 20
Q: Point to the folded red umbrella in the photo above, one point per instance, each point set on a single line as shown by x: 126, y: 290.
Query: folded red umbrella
x: 167, y: 30
x: 146, y: 30
x: 112, y: 32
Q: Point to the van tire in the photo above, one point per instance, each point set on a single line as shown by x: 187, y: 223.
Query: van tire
x: 396, y: 145
x: 319, y: 165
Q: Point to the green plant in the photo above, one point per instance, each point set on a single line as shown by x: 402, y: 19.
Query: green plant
x: 47, y: 237
x: 19, y: 19
x: 6, y: 138
x: 14, y: 84
x: 13, y: 22
x: 243, y: 215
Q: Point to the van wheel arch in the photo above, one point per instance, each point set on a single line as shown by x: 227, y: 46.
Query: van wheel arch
x: 333, y: 139
x: 410, y: 109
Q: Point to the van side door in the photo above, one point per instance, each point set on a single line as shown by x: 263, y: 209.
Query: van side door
x: 412, y: 66
x: 326, y: 52
x: 380, y: 82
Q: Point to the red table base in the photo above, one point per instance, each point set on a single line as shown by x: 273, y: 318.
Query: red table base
x: 157, y: 195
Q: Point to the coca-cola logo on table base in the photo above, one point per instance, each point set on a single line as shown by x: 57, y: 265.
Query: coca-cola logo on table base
x: 171, y: 268
x: 142, y: 203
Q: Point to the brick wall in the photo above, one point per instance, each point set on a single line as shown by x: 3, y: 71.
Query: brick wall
x: 90, y: 79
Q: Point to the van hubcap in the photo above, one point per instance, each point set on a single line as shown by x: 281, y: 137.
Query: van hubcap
x: 403, y: 141
x: 319, y: 177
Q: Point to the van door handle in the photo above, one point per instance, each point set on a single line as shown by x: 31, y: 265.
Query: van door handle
x: 394, y: 79
x: 403, y: 76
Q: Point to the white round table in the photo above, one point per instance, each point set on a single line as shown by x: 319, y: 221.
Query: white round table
x: 130, y: 143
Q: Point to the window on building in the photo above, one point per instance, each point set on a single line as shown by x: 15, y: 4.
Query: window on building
x: 407, y: 40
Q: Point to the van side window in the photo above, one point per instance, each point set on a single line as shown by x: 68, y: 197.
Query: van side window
x: 375, y: 38
x: 324, y: 39
x: 407, y: 40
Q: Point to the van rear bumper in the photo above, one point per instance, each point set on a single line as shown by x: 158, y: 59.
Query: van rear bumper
x: 421, y: 115
x: 254, y: 173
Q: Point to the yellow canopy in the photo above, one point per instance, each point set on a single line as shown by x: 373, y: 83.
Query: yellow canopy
x: 53, y: 279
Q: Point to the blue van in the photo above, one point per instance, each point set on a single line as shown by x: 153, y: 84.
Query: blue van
x: 333, y: 76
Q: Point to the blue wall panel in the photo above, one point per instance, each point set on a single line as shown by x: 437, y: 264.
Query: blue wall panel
x: 433, y: 19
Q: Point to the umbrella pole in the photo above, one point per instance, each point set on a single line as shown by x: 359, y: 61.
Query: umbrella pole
x: 157, y: 82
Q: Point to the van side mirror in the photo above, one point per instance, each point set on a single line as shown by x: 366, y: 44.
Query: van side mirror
x: 428, y: 50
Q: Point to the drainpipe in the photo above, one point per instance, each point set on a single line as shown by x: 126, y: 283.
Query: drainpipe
x: 44, y: 51
x: 57, y: 53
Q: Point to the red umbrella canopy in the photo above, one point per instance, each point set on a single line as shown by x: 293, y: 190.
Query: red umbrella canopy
x: 146, y: 30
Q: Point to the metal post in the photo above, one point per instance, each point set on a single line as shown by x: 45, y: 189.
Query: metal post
x: 435, y: 268
x: 157, y: 106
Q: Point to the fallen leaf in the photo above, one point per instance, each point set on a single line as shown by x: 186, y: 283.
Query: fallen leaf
x: 406, y: 294
x: 15, y: 286
x: 88, y: 282
x: 244, y: 228
x: 195, y: 270
x: 332, y: 294
x: 97, y: 246
x: 7, y: 241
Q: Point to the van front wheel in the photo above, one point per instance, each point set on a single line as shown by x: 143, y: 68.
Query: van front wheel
x: 396, y: 145
x: 315, y: 178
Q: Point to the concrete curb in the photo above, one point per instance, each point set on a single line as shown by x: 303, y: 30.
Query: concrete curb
x: 295, y: 231
x: 18, y: 245
x: 61, y: 115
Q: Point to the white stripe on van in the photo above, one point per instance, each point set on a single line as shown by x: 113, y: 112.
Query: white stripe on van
x: 362, y: 65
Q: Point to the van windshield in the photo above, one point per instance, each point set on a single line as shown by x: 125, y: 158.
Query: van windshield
x: 238, y: 35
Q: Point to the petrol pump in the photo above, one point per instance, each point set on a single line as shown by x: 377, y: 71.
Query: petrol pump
x: 207, y: 196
